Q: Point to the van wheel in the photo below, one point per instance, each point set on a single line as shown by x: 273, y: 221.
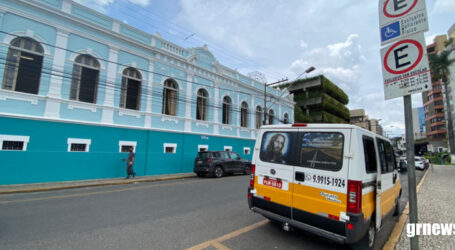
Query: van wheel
x: 396, y: 212
x: 218, y: 172
x: 247, y: 170
x: 368, y: 241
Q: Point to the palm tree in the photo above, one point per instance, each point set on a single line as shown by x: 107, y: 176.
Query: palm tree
x: 439, y: 67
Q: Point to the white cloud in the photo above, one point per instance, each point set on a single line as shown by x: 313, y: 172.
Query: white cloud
x: 444, y: 6
x: 140, y: 2
x: 303, y: 44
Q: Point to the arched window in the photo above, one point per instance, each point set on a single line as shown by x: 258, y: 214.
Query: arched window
x: 201, y: 106
x: 271, y: 116
x: 84, y: 84
x: 286, y: 118
x: 170, y: 93
x: 258, y: 116
x: 23, y: 66
x: 227, y: 103
x: 130, y: 95
x: 244, y: 115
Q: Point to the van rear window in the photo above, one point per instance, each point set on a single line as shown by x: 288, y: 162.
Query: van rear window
x: 322, y: 150
x: 203, y: 155
x: 275, y: 147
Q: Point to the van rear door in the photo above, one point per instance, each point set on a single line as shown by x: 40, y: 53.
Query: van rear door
x: 321, y: 178
x: 274, y: 172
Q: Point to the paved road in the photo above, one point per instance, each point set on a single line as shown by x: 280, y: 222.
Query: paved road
x: 164, y: 215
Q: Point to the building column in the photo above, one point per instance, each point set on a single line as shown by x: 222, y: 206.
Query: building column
x: 216, y: 109
x: 280, y: 117
x: 149, y: 91
x: 66, y: 6
x: 253, y: 117
x: 108, y: 111
x: 239, y: 115
x: 189, y: 94
x: 58, y: 64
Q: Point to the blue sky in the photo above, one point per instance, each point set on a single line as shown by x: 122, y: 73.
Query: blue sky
x: 283, y: 38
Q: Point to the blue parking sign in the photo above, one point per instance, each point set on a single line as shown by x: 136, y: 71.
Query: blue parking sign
x: 390, y: 31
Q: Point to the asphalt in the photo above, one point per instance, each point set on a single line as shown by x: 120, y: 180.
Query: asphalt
x: 435, y: 198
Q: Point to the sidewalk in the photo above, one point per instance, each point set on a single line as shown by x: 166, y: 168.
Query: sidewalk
x: 435, y: 202
x: 36, y: 187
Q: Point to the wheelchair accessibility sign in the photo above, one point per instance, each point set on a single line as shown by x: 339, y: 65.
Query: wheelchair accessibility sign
x: 390, y: 31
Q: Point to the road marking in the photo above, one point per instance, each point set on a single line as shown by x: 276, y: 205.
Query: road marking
x: 99, y: 192
x: 217, y: 242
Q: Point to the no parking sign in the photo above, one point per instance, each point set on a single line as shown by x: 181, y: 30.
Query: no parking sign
x: 405, y: 68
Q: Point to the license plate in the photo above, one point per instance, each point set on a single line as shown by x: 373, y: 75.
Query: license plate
x: 199, y: 162
x: 273, y: 183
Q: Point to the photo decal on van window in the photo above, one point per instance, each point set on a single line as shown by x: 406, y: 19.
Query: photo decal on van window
x: 275, y: 147
x: 322, y: 151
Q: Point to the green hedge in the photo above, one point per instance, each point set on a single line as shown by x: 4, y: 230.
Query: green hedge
x: 300, y: 116
x: 334, y: 91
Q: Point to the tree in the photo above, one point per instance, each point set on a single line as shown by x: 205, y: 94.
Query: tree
x: 440, y: 70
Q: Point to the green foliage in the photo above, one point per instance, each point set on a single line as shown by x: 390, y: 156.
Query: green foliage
x: 435, y: 158
x: 334, y: 91
x: 300, y: 116
x: 335, y: 107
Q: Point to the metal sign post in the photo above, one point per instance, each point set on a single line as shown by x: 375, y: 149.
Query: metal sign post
x: 405, y: 71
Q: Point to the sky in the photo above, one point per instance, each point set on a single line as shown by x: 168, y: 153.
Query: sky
x: 281, y: 39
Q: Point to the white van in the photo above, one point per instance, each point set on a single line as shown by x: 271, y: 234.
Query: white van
x: 338, y: 181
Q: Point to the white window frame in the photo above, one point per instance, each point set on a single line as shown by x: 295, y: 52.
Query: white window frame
x: 127, y: 143
x: 199, y: 147
x: 228, y: 147
x: 170, y: 145
x: 79, y: 141
x: 245, y: 150
x: 22, y: 138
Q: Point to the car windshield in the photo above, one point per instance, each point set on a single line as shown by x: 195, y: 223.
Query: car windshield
x: 203, y: 155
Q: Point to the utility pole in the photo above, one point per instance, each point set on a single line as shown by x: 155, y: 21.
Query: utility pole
x: 264, y: 122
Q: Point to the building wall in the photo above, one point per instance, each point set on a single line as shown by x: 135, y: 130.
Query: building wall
x: 66, y: 30
x: 47, y: 158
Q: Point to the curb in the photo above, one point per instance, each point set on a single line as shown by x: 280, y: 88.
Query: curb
x: 82, y: 185
x: 398, y: 229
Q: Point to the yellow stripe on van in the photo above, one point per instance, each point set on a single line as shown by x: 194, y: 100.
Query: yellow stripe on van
x: 283, y: 197
x: 318, y: 200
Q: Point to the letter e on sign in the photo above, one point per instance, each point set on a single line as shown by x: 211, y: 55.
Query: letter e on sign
x: 398, y: 8
x: 403, y: 56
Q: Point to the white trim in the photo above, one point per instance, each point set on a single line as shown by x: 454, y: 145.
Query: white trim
x: 79, y: 141
x: 30, y: 34
x: 245, y: 149
x: 170, y: 145
x: 199, y: 147
x: 19, y: 96
x: 22, y: 138
x: 133, y: 113
x: 82, y: 106
x: 228, y: 147
x: 127, y: 143
x: 176, y: 120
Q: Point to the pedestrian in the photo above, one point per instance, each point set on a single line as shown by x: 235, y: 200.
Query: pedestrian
x: 129, y: 164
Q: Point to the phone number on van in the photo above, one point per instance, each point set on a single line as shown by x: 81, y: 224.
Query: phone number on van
x: 329, y: 181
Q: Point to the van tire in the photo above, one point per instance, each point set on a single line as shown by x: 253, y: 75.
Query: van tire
x: 368, y: 241
x: 218, y: 173
x: 396, y: 212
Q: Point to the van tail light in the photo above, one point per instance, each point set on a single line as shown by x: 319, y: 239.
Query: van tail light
x: 354, y: 197
x: 299, y: 125
x: 209, y: 160
x: 253, y: 170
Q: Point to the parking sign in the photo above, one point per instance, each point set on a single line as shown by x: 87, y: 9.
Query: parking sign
x: 405, y: 68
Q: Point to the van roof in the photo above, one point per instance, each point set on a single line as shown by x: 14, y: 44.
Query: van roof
x: 319, y: 126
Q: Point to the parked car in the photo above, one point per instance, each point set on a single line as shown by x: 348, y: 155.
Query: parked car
x: 420, y: 163
x: 219, y: 163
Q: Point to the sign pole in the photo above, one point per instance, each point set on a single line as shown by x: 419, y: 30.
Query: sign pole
x: 411, y: 167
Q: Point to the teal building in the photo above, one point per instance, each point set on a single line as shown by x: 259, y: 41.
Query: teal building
x: 79, y: 88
